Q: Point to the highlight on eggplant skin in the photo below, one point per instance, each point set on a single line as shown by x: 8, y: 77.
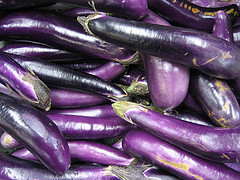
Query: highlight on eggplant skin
x: 196, y: 49
x: 36, y: 132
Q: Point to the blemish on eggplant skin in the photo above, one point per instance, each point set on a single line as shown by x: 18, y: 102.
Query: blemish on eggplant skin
x: 185, y: 5
x: 208, y: 61
x: 219, y: 84
x: 181, y: 4
x: 184, y: 167
x: 222, y: 121
x: 189, y: 8
x: 210, y: 14
x: 225, y: 106
x: 230, y: 11
x: 174, y: 1
x: 195, y: 10
x: 225, y: 156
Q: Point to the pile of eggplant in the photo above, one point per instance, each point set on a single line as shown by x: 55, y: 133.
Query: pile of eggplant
x: 120, y: 89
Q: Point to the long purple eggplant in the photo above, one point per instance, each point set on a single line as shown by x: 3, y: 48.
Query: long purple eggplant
x: 212, y: 143
x: 132, y: 9
x: 17, y: 4
x: 167, y: 81
x: 199, y: 50
x: 62, y: 32
x: 187, y: 166
x: 87, y: 151
x: 57, y: 76
x: 36, y: 132
x: 187, y: 14
x: 214, y: 3
x: 79, y: 11
x: 24, y: 83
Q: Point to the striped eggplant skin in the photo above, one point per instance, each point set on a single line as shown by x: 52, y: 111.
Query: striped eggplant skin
x: 217, y: 99
x: 99, y: 111
x: 62, y: 32
x: 24, y: 83
x: 17, y: 4
x: 186, y: 14
x: 16, y: 168
x: 143, y: 145
x: 222, y: 26
x: 82, y: 127
x: 196, y: 49
x: 167, y: 81
x: 213, y: 143
x: 36, y: 132
x: 131, y: 9
x: 87, y: 151
x: 59, y: 77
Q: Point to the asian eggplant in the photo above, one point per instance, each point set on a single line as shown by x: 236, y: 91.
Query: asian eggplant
x: 36, y: 132
x: 196, y: 49
x: 213, y: 143
x: 17, y: 4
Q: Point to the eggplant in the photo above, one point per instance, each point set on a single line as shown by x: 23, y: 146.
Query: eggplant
x: 36, y: 132
x: 62, y: 32
x: 214, y: 3
x: 59, y: 77
x: 213, y: 143
x: 19, y: 4
x: 7, y: 141
x: 24, y: 83
x: 99, y: 111
x: 167, y: 81
x: 139, y: 86
x: 83, y: 66
x: 87, y: 151
x: 187, y: 166
x: 79, y: 11
x: 196, y: 49
x: 133, y: 9
x: 186, y: 14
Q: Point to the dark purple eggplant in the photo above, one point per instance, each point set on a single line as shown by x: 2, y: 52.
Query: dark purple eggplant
x: 79, y: 11
x: 187, y: 14
x: 99, y: 111
x: 83, y: 66
x: 17, y: 4
x: 24, y: 83
x: 167, y: 81
x: 236, y: 35
x: 57, y: 76
x: 213, y: 143
x: 132, y: 9
x: 36, y: 132
x: 222, y: 26
x: 89, y: 152
x: 199, y: 50
x: 187, y: 166
x: 62, y: 32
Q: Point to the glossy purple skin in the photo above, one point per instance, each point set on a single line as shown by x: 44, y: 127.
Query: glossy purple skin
x: 36, y: 132
x: 212, y: 143
x: 89, y: 152
x: 215, y: 3
x: 16, y: 4
x: 7, y: 141
x: 24, y: 83
x: 83, y: 66
x: 167, y: 81
x: 191, y: 103
x: 236, y: 35
x: 59, y: 31
x: 16, y: 168
x: 185, y: 165
x: 109, y: 71
x: 99, y: 111
x: 79, y: 11
x: 187, y: 14
x: 131, y: 9
x: 39, y: 51
x: 56, y: 76
x: 222, y: 26
x: 217, y: 99
x: 118, y: 145
x: 61, y: 98
x: 82, y: 127
x: 196, y: 49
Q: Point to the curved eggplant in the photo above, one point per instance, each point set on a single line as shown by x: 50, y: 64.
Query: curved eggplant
x: 213, y: 143
x: 143, y: 145
x: 62, y: 32
x: 17, y: 4
x: 187, y: 14
x: 36, y: 132
x: 196, y: 49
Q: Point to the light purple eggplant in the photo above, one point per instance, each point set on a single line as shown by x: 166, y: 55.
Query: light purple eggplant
x: 36, y: 132
x: 186, y: 14
x: 167, y: 81
x: 99, y: 111
x: 213, y: 143
x: 131, y: 9
x: 214, y: 3
x: 7, y: 141
x: 196, y: 49
x: 87, y: 151
x: 187, y: 166
x: 56, y: 76
x: 62, y: 32
x: 24, y: 83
